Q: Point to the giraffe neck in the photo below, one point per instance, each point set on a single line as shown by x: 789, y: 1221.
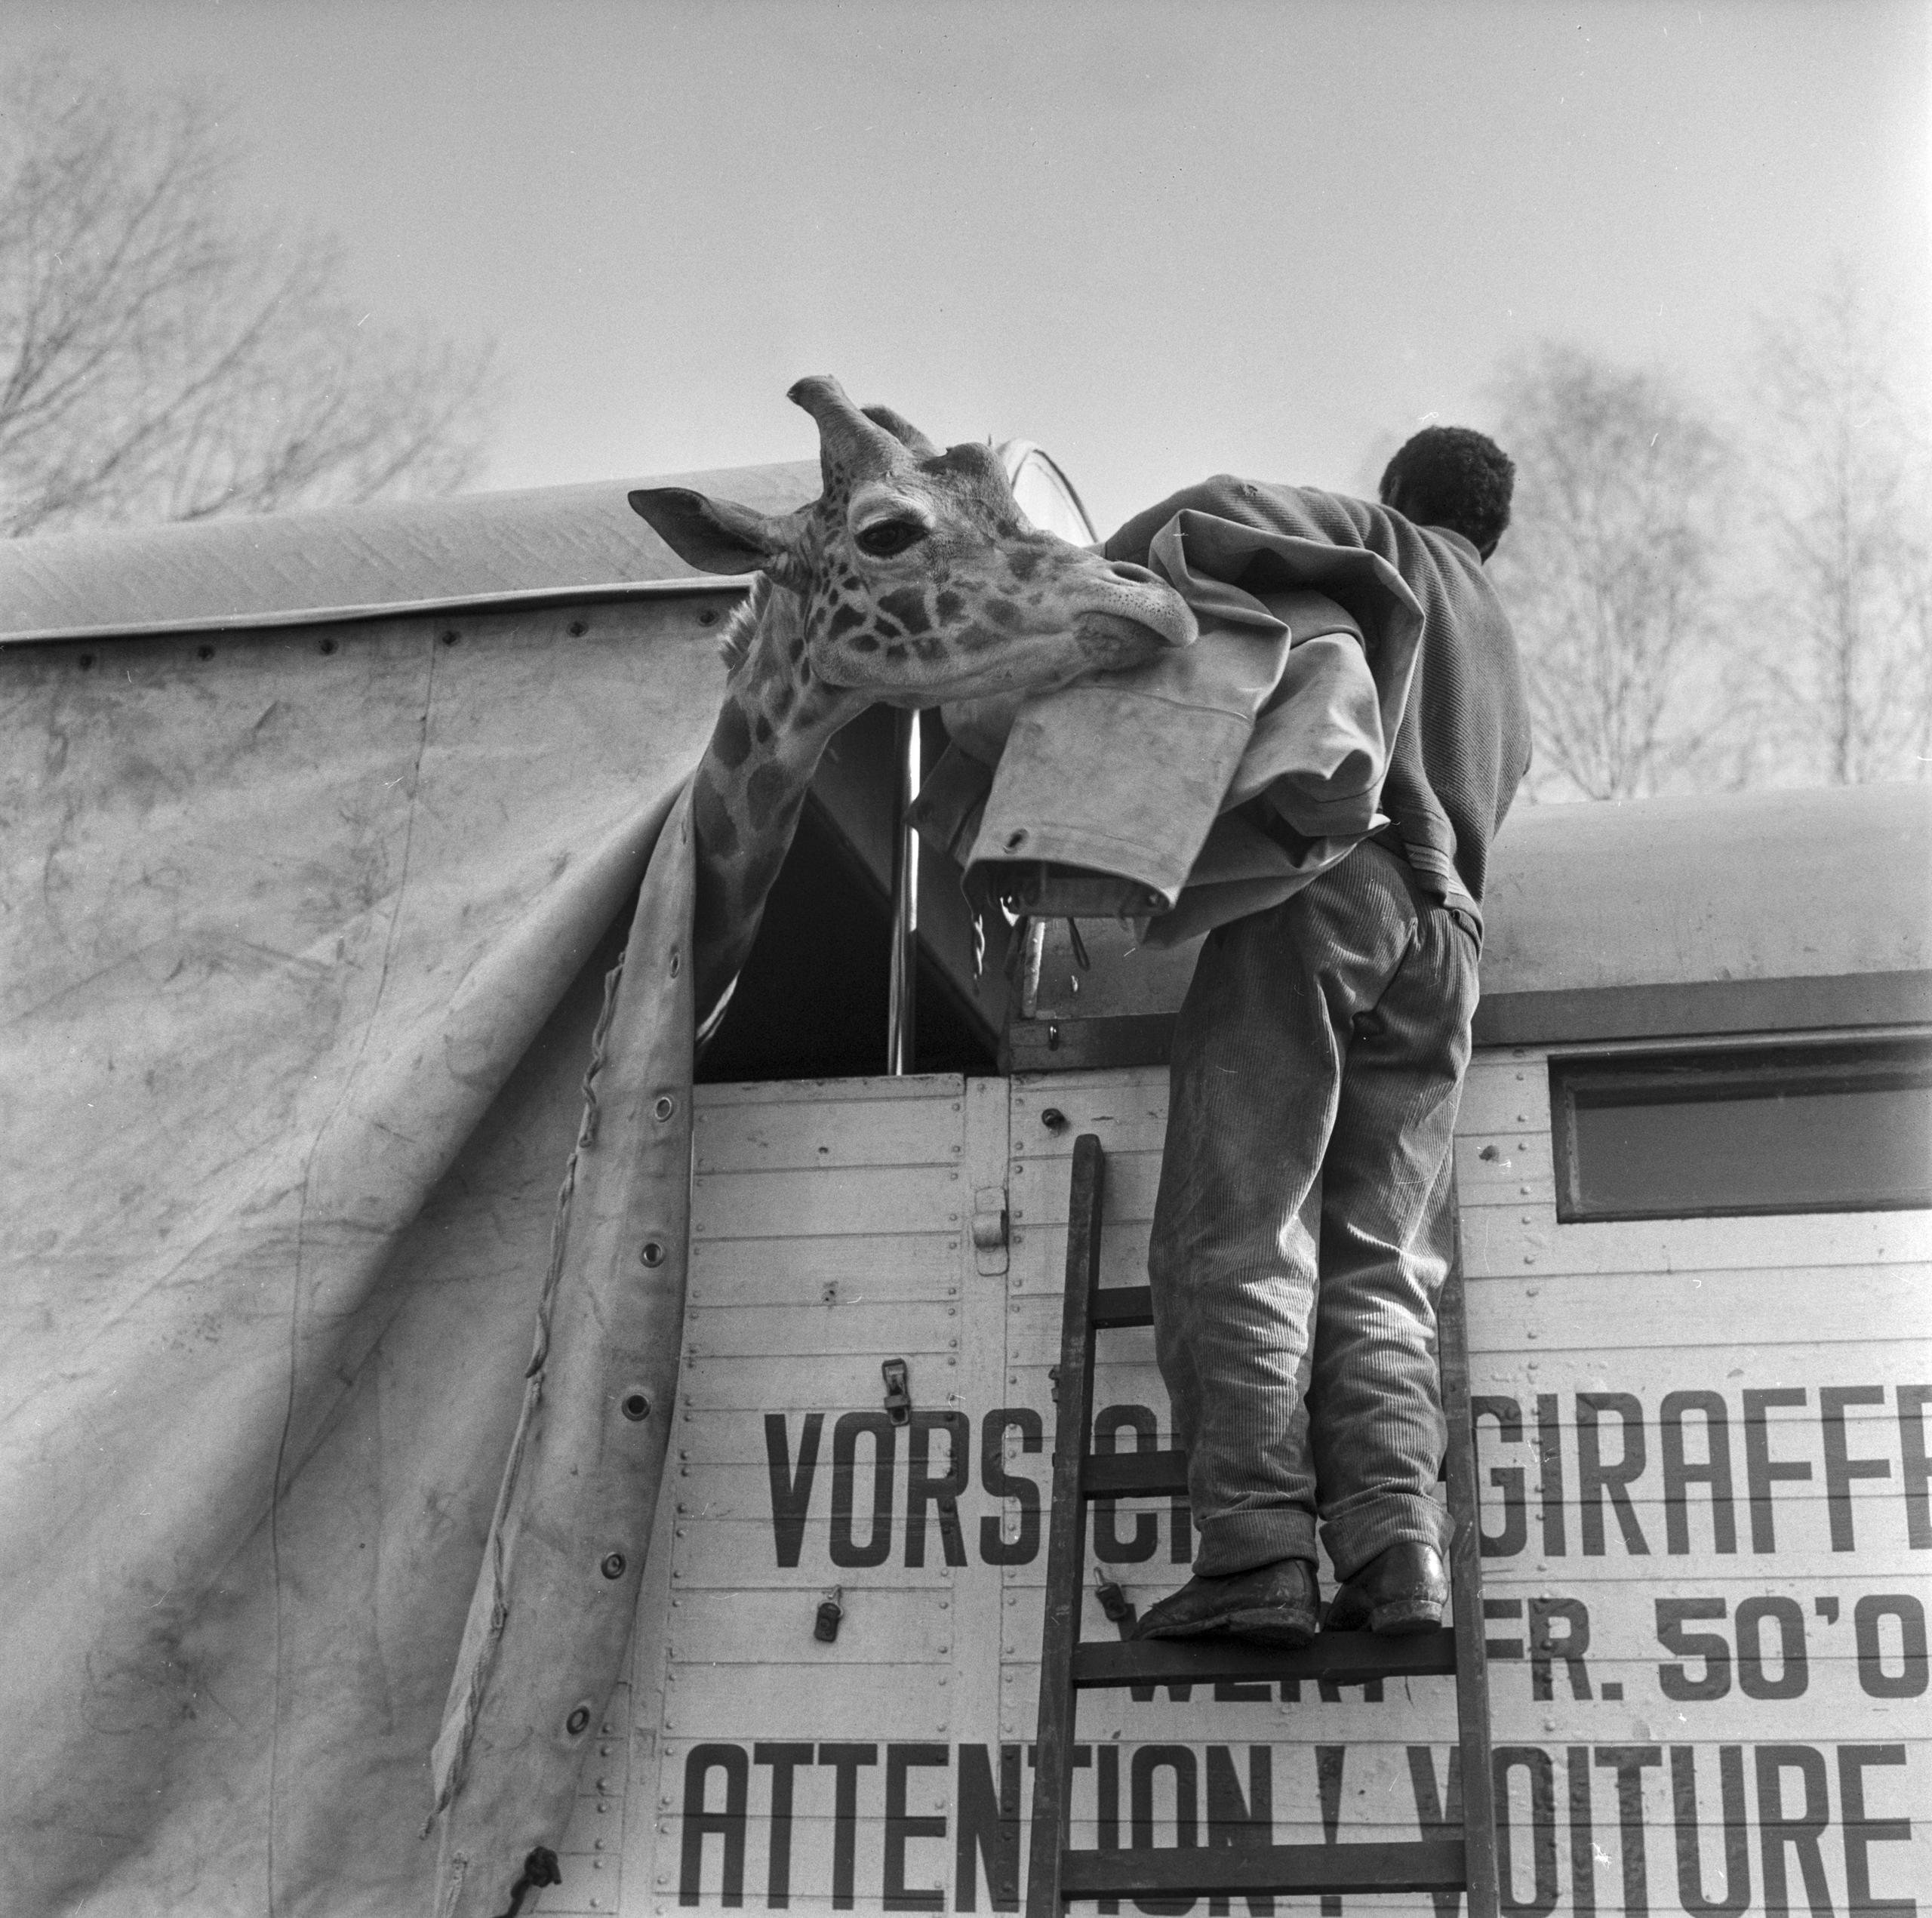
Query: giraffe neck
x: 749, y: 788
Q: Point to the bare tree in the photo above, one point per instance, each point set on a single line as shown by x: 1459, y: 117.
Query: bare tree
x: 160, y: 360
x: 1842, y: 666
x: 1608, y: 570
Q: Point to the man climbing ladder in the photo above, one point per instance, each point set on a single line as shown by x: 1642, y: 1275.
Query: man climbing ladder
x: 1325, y: 1039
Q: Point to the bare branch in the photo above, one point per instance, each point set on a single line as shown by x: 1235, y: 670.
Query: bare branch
x: 160, y: 358
x: 1610, y: 570
x: 1844, y: 499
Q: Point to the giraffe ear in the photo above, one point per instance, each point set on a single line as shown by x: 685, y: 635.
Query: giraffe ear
x: 715, y: 536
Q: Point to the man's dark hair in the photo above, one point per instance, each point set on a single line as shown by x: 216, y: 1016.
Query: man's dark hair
x: 1453, y: 476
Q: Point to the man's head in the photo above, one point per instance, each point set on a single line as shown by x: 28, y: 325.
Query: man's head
x: 1454, y: 477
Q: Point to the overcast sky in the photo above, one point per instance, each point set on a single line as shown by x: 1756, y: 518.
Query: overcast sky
x: 1160, y: 239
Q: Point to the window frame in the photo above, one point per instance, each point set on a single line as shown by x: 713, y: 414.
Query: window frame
x: 1661, y: 1072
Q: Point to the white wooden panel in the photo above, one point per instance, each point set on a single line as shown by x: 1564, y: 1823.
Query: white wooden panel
x: 1697, y: 1308
x: 773, y: 1631
x: 895, y: 1267
x: 850, y: 1380
x: 1504, y: 1093
x: 829, y: 1700
x: 726, y: 1554
x: 803, y: 1204
x: 846, y: 1322
x: 1040, y: 1186
x: 836, y: 1134
x: 1499, y: 1241
x: 940, y: 1658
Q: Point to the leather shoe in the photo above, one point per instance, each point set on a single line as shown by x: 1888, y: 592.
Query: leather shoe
x: 1402, y: 1589
x: 1270, y: 1605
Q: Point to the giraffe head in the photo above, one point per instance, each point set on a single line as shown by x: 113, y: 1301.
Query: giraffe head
x: 916, y: 577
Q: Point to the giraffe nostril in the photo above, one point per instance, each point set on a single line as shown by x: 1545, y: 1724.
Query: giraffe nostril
x: 1125, y: 569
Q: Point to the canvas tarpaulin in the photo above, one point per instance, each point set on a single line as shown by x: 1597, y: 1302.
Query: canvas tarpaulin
x: 305, y: 935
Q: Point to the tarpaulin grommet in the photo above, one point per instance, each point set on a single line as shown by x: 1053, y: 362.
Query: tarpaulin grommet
x: 579, y: 1721
x: 635, y: 1406
x: 613, y: 1566
x: 652, y: 1251
x: 663, y: 1108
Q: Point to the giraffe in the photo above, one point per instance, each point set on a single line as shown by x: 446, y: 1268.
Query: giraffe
x: 914, y: 578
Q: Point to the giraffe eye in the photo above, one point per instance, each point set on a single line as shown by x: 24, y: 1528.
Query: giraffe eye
x: 884, y: 537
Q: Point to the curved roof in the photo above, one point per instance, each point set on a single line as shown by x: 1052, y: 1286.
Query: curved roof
x: 289, y: 568
x: 545, y: 543
x: 1767, y: 910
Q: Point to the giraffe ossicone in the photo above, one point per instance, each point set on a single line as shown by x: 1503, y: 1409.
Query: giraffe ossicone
x: 913, y: 579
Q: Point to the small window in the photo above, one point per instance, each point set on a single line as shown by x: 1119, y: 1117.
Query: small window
x: 1828, y: 1127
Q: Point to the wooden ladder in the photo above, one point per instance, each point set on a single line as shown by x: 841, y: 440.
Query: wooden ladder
x: 1056, y: 1872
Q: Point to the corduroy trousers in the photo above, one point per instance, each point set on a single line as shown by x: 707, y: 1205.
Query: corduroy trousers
x: 1321, y: 1050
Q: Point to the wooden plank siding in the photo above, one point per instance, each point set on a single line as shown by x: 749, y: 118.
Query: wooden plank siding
x: 1702, y: 1427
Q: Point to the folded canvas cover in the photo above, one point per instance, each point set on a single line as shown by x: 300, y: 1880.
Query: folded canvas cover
x: 306, y: 925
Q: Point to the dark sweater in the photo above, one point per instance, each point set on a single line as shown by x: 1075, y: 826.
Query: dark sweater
x: 1464, y: 745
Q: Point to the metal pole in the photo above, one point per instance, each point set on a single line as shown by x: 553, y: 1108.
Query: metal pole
x: 901, y: 1010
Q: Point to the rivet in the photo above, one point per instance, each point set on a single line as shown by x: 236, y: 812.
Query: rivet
x: 663, y: 1107
x: 635, y: 1406
x: 612, y: 1567
x: 578, y: 629
x: 577, y: 1721
x: 85, y: 662
x: 1016, y: 838
x: 450, y: 638
x: 708, y: 616
x: 326, y: 647
x: 651, y: 1252
x: 675, y: 962
x: 204, y: 652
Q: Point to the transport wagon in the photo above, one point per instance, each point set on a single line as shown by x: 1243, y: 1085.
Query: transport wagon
x: 323, y: 833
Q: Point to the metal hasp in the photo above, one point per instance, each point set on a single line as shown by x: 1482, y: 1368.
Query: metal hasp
x: 824, y: 1625
x: 898, y: 1390
x: 989, y: 1230
x: 1465, y: 1862
x: 901, y: 1010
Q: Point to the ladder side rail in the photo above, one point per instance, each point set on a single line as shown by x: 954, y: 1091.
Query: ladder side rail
x: 1053, y: 1776
x: 1472, y: 1711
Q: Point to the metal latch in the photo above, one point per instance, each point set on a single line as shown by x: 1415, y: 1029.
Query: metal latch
x: 898, y: 1390
x: 1115, y: 1603
x: 990, y: 1256
x: 826, y: 1629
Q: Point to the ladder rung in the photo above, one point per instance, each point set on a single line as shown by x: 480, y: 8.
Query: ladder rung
x: 1113, y: 1308
x: 1429, y: 1864
x: 1133, y: 1474
x: 1341, y: 1657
